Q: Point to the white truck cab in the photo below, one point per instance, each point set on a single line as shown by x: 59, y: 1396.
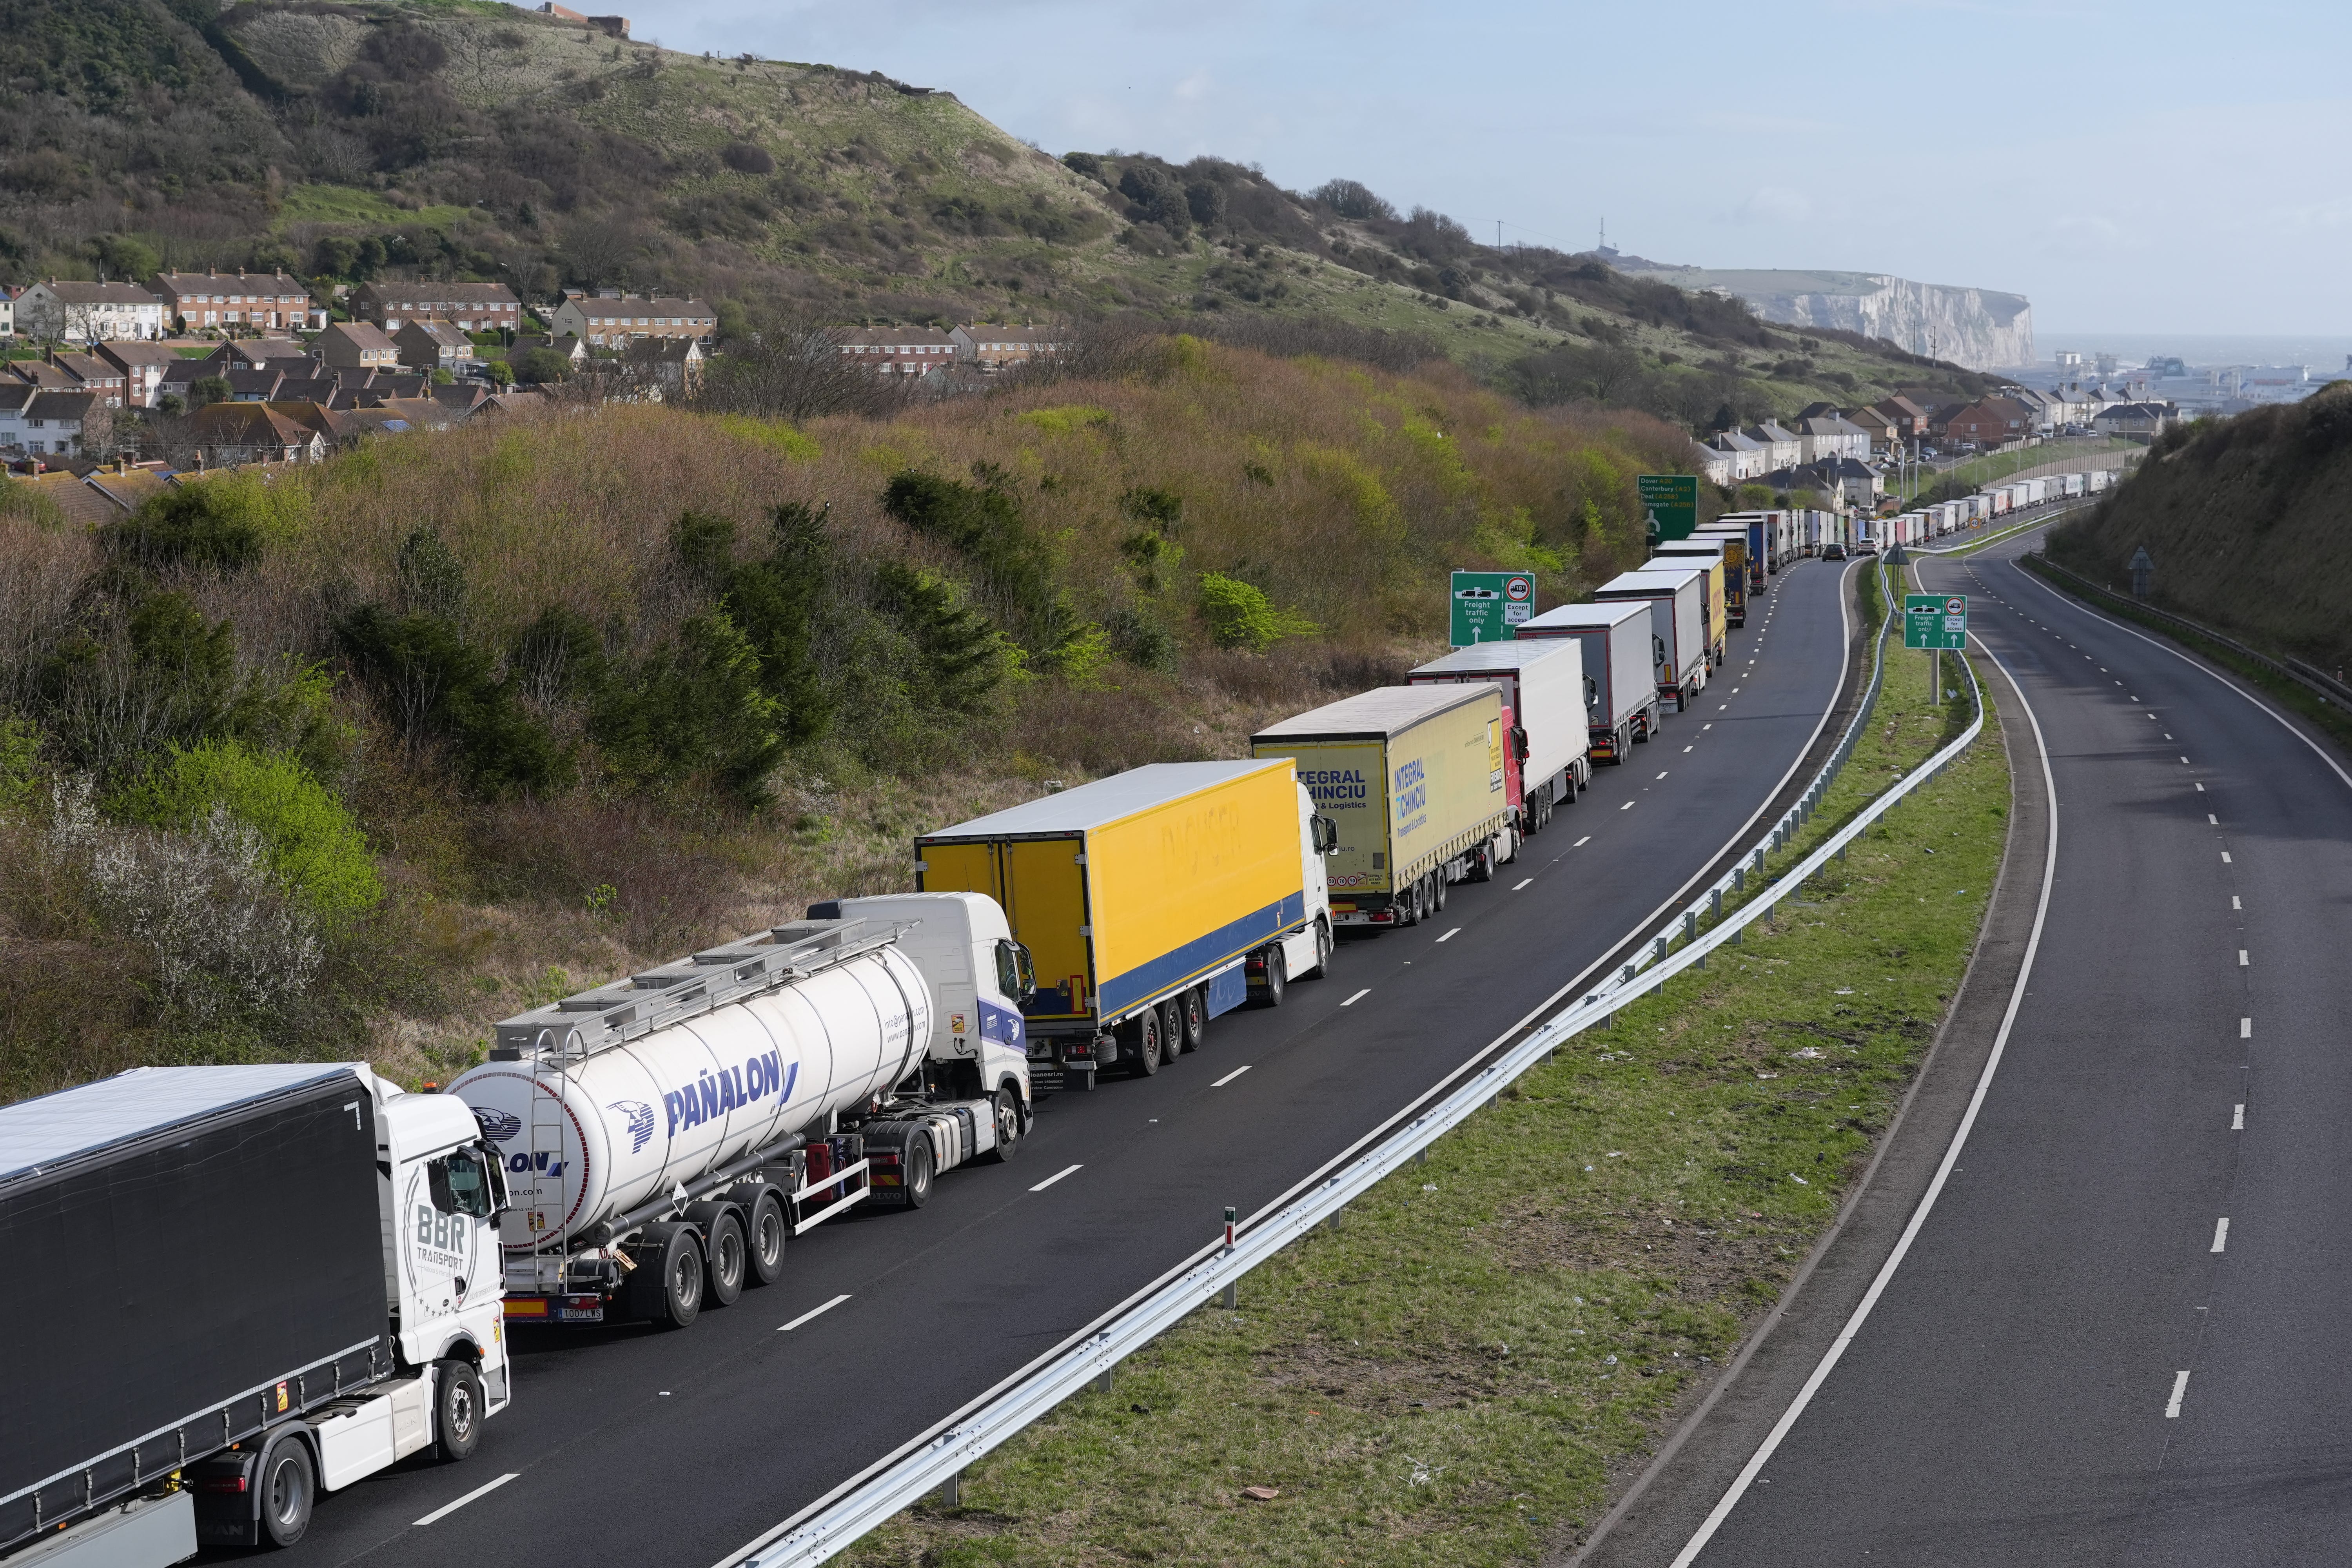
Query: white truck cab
x: 441, y: 1193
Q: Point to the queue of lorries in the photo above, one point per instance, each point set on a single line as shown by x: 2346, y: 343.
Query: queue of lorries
x: 259, y: 1284
x: 1921, y: 524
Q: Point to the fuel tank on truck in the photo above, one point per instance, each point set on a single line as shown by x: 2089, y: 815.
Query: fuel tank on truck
x: 605, y: 1099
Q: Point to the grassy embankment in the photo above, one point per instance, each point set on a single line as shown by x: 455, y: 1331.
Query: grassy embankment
x: 1459, y: 1373
x: 585, y: 694
x: 1975, y: 473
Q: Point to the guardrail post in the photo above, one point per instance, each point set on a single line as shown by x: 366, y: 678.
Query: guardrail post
x: 951, y: 1489
x: 1714, y: 903
x: 1102, y: 1384
x: 1659, y: 954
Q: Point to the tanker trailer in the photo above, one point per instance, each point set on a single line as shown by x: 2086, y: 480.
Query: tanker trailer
x: 664, y: 1135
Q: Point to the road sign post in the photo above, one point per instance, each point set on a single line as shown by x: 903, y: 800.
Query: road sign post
x: 1489, y: 605
x: 1935, y: 622
x: 1670, y: 505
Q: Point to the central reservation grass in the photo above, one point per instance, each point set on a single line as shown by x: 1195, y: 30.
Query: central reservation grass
x: 1455, y: 1376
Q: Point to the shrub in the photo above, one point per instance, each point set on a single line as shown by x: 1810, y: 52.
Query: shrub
x: 20, y: 761
x: 1240, y: 616
x: 435, y: 686
x: 309, y: 839
x: 696, y: 708
x: 543, y: 365
x: 187, y: 525
x: 775, y: 602
x: 985, y: 524
x: 963, y: 656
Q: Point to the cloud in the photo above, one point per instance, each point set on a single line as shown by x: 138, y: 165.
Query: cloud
x: 1774, y: 203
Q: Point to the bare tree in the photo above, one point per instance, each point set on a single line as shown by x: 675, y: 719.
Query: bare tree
x: 598, y: 250
x: 795, y: 369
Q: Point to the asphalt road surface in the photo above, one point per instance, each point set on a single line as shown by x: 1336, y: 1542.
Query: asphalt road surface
x: 677, y: 1448
x: 2117, y: 1338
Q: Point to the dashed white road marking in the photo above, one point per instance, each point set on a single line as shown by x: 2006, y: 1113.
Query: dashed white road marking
x: 1367, y: 991
x: 2179, y: 1387
x: 1516, y: 886
x: 1229, y: 1078
x: 446, y: 1508
x: 1581, y: 842
x: 2213, y: 819
x: 1708, y: 725
x: 2242, y: 958
x: 2246, y: 1028
x: 2233, y: 903
x: 1685, y: 753
x: 1449, y: 936
x: 2184, y: 762
x: 1662, y: 772
x: 2221, y: 1234
x: 2238, y: 1119
x: 2200, y: 789
x: 2225, y: 858
x: 1055, y: 1177
x: 814, y: 1313
x: 1627, y: 807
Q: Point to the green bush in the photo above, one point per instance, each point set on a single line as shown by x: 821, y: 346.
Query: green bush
x: 985, y: 521
x: 964, y: 657
x: 776, y: 603
x: 187, y: 525
x: 311, y: 845
x: 694, y: 708
x: 434, y: 684
x: 20, y: 761
x: 1239, y: 614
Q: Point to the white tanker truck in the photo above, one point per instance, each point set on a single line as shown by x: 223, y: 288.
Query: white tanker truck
x: 664, y: 1135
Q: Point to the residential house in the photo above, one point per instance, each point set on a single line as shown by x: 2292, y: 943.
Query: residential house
x: 380, y: 387
x: 255, y: 301
x: 259, y: 352
x: 94, y: 373
x: 43, y: 423
x: 1714, y: 467
x: 227, y: 435
x: 178, y: 379
x: 128, y: 484
x: 2145, y: 421
x: 142, y: 366
x: 1909, y: 420
x: 1829, y: 435
x: 1782, y: 449
x: 611, y: 322
x: 356, y: 345
x: 569, y: 345
x: 1883, y: 433
x: 521, y: 399
x: 395, y: 415
x: 1990, y: 423
x: 993, y: 346
x: 470, y: 306
x: 41, y: 373
x: 676, y: 364
x: 890, y: 350
x: 1845, y: 482
x: 335, y: 428
x: 8, y: 311
x: 1743, y: 456
x: 297, y: 387
x: 88, y: 312
x: 430, y: 345
x: 460, y: 398
x: 74, y: 499
x: 253, y: 383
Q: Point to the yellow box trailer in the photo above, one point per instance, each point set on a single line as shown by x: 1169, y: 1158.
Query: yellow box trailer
x: 1150, y: 901
x: 1414, y: 777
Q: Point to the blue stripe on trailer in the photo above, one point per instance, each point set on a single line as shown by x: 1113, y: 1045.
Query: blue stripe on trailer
x: 1172, y: 970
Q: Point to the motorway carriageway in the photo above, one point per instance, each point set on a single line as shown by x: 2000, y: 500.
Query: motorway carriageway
x: 674, y: 1449
x: 2118, y: 1335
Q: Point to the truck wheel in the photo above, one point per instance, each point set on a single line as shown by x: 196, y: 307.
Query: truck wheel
x: 723, y: 1260
x: 289, y: 1484
x: 1441, y: 880
x: 1145, y: 1044
x: 1174, y: 1039
x: 1196, y: 1019
x: 674, y: 1290
x: 457, y: 1410
x: 1482, y: 863
x: 1322, y: 970
x: 1277, y: 975
x: 914, y: 1170
x: 1008, y: 1127
x: 765, y: 1243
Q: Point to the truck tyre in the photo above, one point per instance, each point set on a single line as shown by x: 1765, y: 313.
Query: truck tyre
x: 456, y: 1410
x: 1144, y: 1043
x: 1195, y: 1009
x: 1174, y: 1038
x: 1008, y: 1126
x: 764, y: 1242
x: 668, y: 1280
x: 722, y: 1260
x: 1439, y: 901
x: 1278, y: 976
x: 1482, y: 863
x: 289, y: 1485
x: 914, y: 1170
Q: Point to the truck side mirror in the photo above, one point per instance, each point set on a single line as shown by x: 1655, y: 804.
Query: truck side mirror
x: 1016, y: 973
x: 1326, y: 835
x: 1519, y: 742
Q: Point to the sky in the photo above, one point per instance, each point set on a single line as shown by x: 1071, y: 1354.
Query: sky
x: 2145, y: 167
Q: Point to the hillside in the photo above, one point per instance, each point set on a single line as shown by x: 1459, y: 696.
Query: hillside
x: 2249, y: 524
x: 467, y: 137
x: 353, y: 760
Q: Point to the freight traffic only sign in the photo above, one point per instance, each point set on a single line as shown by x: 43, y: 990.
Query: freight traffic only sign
x: 1489, y: 605
x: 1935, y: 620
x: 1671, y: 503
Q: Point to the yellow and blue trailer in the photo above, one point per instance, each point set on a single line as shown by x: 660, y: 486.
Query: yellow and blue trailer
x: 1149, y: 902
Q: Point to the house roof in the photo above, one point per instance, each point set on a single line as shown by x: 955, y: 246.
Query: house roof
x: 127, y: 486
x: 86, y: 368
x: 365, y: 336
x: 439, y: 331
x: 891, y: 337
x: 41, y: 373
x: 597, y: 308
x: 1901, y: 407
x: 249, y: 381
x: 259, y: 349
x: 570, y: 345
x: 219, y: 424
x: 421, y: 413
x: 70, y: 406
x: 1025, y: 337
x: 134, y: 353
x: 273, y: 283
x: 410, y: 296
x: 73, y: 293
x: 15, y: 394
x: 306, y: 389
x: 333, y: 425
x: 76, y: 500
x: 458, y: 396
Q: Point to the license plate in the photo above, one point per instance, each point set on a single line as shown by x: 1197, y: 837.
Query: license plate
x: 581, y: 1314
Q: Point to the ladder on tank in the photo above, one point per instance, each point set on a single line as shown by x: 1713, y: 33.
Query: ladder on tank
x: 550, y: 1234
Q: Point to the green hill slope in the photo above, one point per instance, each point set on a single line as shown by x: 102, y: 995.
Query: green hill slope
x: 465, y: 137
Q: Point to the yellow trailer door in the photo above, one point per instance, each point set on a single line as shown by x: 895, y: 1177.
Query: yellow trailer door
x: 1045, y: 898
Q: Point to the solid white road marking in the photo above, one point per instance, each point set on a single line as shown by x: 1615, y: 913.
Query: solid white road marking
x: 1229, y: 1078
x: 2238, y: 1120
x: 1449, y: 936
x: 446, y: 1508
x: 1367, y: 991
x: 2221, y: 1233
x: 814, y: 1313
x: 1055, y: 1177
x: 2246, y: 1028
x: 2179, y: 1387
x: 1516, y: 886
x: 1581, y: 842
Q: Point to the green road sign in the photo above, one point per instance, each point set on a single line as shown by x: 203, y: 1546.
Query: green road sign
x: 1670, y: 501
x: 1935, y: 620
x: 1489, y: 605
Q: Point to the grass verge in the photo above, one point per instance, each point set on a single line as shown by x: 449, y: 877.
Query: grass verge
x: 2290, y: 694
x: 1457, y: 1374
